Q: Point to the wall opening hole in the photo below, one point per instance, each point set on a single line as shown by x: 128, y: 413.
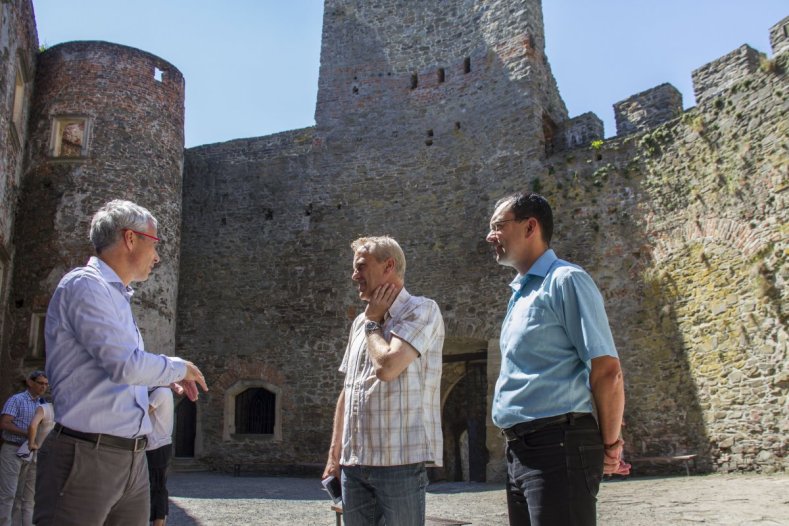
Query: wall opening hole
x: 158, y: 74
x: 467, y: 65
x: 429, y: 142
x: 441, y: 75
x: 429, y: 133
x: 414, y: 81
x: 457, y: 125
x: 355, y: 90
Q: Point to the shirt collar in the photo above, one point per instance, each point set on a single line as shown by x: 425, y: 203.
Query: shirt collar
x: 36, y: 399
x: 109, y: 275
x: 539, y: 268
x: 399, y: 304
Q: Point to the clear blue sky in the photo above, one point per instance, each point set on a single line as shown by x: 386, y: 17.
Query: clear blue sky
x: 251, y: 66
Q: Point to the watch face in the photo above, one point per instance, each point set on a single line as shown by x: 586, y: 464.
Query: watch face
x: 371, y: 326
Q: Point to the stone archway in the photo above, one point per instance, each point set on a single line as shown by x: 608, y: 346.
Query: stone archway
x: 464, y: 422
x: 464, y: 413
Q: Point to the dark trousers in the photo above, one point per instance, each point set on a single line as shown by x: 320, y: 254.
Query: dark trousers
x: 554, y: 474
x: 158, y: 466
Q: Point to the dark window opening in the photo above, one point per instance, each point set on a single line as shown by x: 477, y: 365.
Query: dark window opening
x: 429, y: 133
x: 467, y: 65
x: 414, y: 81
x: 549, y: 130
x: 441, y: 75
x: 157, y: 74
x: 255, y: 412
x: 355, y: 90
x: 457, y: 125
x: 429, y: 142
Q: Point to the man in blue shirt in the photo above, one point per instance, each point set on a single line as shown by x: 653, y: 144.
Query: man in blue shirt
x: 93, y: 464
x: 559, y: 397
x: 16, y: 473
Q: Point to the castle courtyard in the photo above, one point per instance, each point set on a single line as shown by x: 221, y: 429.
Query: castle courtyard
x: 204, y: 499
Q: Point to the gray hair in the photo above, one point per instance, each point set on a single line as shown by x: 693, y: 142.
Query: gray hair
x: 113, y: 217
x: 383, y: 248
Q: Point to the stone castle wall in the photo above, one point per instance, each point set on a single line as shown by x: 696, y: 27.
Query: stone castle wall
x: 18, y: 49
x: 684, y: 229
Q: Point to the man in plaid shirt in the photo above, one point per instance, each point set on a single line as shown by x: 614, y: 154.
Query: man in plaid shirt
x: 17, y: 414
x: 387, y: 424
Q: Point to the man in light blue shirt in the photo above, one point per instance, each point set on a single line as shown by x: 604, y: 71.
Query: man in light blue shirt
x: 559, y: 368
x: 92, y: 467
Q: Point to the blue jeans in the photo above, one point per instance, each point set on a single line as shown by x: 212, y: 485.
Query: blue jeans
x: 378, y: 495
x: 554, y: 474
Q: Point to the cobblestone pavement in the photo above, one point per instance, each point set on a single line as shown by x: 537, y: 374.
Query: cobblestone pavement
x: 207, y: 499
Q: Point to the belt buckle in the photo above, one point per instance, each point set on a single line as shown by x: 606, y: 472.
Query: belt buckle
x: 137, y: 442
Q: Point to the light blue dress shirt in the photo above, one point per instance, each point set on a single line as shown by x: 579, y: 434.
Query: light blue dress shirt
x: 97, y: 366
x: 555, y: 325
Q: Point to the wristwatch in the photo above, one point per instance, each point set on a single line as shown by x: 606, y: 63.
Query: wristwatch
x: 372, y: 326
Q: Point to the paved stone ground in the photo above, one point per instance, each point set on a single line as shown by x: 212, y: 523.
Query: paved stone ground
x: 207, y: 499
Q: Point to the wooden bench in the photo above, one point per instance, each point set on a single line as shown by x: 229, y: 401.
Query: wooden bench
x: 687, y: 460
x: 337, y: 509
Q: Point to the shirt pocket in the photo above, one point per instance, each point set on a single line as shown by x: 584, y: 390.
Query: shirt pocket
x: 532, y: 316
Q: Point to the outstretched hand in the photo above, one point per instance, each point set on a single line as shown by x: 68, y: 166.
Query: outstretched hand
x: 190, y: 382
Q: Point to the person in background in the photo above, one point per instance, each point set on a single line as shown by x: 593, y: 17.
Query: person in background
x: 159, y: 450
x: 37, y: 432
x: 15, y: 472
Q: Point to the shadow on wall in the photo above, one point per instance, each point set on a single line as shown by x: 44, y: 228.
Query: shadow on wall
x: 663, y: 416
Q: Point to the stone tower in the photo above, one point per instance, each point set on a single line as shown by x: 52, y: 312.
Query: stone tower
x: 426, y: 70
x: 106, y: 122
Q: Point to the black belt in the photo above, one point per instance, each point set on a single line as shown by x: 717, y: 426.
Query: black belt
x: 100, y: 439
x: 524, y: 428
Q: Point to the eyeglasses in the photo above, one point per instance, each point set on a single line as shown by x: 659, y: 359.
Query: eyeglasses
x: 497, y: 225
x: 42, y: 383
x: 143, y: 234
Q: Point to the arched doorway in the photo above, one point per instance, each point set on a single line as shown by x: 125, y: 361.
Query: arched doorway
x: 464, y: 424
x: 185, y: 428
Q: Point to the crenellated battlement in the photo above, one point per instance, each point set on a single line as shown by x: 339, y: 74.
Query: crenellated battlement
x: 647, y: 109
x: 714, y: 77
x: 651, y: 108
x: 779, y: 36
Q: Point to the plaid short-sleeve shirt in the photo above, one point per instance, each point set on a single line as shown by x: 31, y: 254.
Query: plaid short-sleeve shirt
x: 22, y: 406
x: 398, y: 422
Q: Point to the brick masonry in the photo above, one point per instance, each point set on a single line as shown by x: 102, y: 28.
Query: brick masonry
x: 426, y: 114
